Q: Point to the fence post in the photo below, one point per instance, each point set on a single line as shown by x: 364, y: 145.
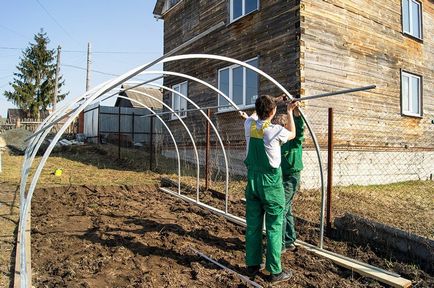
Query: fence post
x: 151, y: 131
x: 119, y: 133
x: 132, y: 129
x: 98, y: 136
x: 207, y: 152
x: 329, y: 170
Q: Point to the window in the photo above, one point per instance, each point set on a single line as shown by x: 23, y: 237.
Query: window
x: 169, y: 4
x: 411, y: 95
x: 240, y: 8
x: 412, y: 18
x: 179, y: 103
x: 239, y: 84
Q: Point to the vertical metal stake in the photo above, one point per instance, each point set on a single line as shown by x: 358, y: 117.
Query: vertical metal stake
x: 119, y: 133
x: 207, y: 151
x: 151, y: 131
x: 330, y: 171
x: 132, y: 129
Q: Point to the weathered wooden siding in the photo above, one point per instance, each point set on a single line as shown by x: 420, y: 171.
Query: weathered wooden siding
x: 272, y: 33
x: 351, y: 43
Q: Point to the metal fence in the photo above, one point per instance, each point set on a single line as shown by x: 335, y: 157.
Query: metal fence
x: 121, y: 128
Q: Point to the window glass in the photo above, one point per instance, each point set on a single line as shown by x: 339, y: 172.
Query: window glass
x: 414, y: 107
x: 237, y: 85
x: 405, y: 93
x: 406, y: 15
x: 411, y: 88
x: 250, y: 5
x: 183, y: 101
x: 224, y: 86
x: 237, y: 8
x: 415, y: 18
x: 251, y: 83
x: 179, y: 103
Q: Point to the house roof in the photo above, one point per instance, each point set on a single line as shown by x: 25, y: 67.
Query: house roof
x: 14, y: 113
x: 142, y: 98
x: 158, y: 9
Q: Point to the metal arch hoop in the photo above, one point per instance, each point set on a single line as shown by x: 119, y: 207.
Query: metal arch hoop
x: 188, y: 131
x: 170, y: 133
x: 217, y: 134
x: 107, y: 86
x: 262, y: 73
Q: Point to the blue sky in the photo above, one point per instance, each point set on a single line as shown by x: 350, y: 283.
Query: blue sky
x: 126, y: 29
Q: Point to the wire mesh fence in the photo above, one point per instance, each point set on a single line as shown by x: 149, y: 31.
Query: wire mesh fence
x: 387, y: 184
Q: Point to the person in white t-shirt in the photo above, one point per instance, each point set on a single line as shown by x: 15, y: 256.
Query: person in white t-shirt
x: 264, y: 192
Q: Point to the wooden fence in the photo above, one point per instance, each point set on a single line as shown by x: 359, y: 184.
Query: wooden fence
x: 32, y: 124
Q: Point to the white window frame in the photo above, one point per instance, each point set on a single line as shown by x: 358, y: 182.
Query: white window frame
x: 243, y: 13
x: 176, y: 96
x: 167, y: 6
x: 230, y: 94
x: 404, y: 110
x: 410, y: 18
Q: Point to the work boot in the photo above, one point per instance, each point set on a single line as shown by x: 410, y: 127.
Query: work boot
x: 289, y: 247
x: 252, y: 271
x: 283, y: 276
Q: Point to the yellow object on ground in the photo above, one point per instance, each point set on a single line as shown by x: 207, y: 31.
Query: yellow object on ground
x: 58, y: 172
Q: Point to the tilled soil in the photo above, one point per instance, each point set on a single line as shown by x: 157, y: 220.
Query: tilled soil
x: 141, y: 237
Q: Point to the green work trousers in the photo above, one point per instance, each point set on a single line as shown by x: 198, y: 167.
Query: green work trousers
x: 264, y: 195
x: 290, y: 185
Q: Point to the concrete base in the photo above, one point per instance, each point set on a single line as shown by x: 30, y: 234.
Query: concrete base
x: 391, y: 241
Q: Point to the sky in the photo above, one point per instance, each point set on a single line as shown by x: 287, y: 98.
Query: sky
x: 123, y: 35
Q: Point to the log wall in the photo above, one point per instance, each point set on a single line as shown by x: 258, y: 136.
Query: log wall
x: 351, y: 43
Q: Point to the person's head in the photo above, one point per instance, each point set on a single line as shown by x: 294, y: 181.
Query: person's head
x: 265, y: 106
x: 280, y: 119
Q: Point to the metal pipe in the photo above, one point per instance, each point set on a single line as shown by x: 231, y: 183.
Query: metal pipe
x: 329, y: 170
x: 215, y: 130
x: 334, y: 93
x: 168, y: 130
x: 195, y: 109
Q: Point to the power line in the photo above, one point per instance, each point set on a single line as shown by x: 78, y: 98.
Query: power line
x: 93, y: 52
x: 55, y: 21
x: 96, y: 71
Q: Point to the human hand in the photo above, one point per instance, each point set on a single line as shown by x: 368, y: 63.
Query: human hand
x: 244, y: 115
x: 291, y: 106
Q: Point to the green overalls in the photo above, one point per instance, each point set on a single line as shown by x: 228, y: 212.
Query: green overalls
x: 292, y: 164
x: 264, y: 194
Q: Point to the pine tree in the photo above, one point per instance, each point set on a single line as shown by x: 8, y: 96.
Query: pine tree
x: 33, y: 84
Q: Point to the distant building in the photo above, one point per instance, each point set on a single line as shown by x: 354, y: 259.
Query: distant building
x: 138, y: 96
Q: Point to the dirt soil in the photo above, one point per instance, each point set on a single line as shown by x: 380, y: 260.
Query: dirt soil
x: 138, y: 236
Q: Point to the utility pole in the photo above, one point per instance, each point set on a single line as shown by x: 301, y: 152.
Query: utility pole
x: 56, y: 81
x: 89, y: 62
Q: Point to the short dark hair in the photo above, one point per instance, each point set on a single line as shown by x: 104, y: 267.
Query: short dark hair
x: 264, y: 105
x: 280, y: 119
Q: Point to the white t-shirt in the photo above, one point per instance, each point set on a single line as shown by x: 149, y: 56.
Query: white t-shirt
x: 274, y: 137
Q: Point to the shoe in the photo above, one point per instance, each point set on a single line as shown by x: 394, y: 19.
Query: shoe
x: 280, y: 277
x: 253, y: 270
x: 291, y: 247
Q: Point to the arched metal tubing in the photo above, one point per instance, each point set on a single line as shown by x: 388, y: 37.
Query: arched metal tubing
x: 168, y: 130
x: 189, y: 134
x: 216, y: 132
x: 108, y: 87
x: 262, y: 73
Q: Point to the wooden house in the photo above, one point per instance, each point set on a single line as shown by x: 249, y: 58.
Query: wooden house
x: 311, y: 47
